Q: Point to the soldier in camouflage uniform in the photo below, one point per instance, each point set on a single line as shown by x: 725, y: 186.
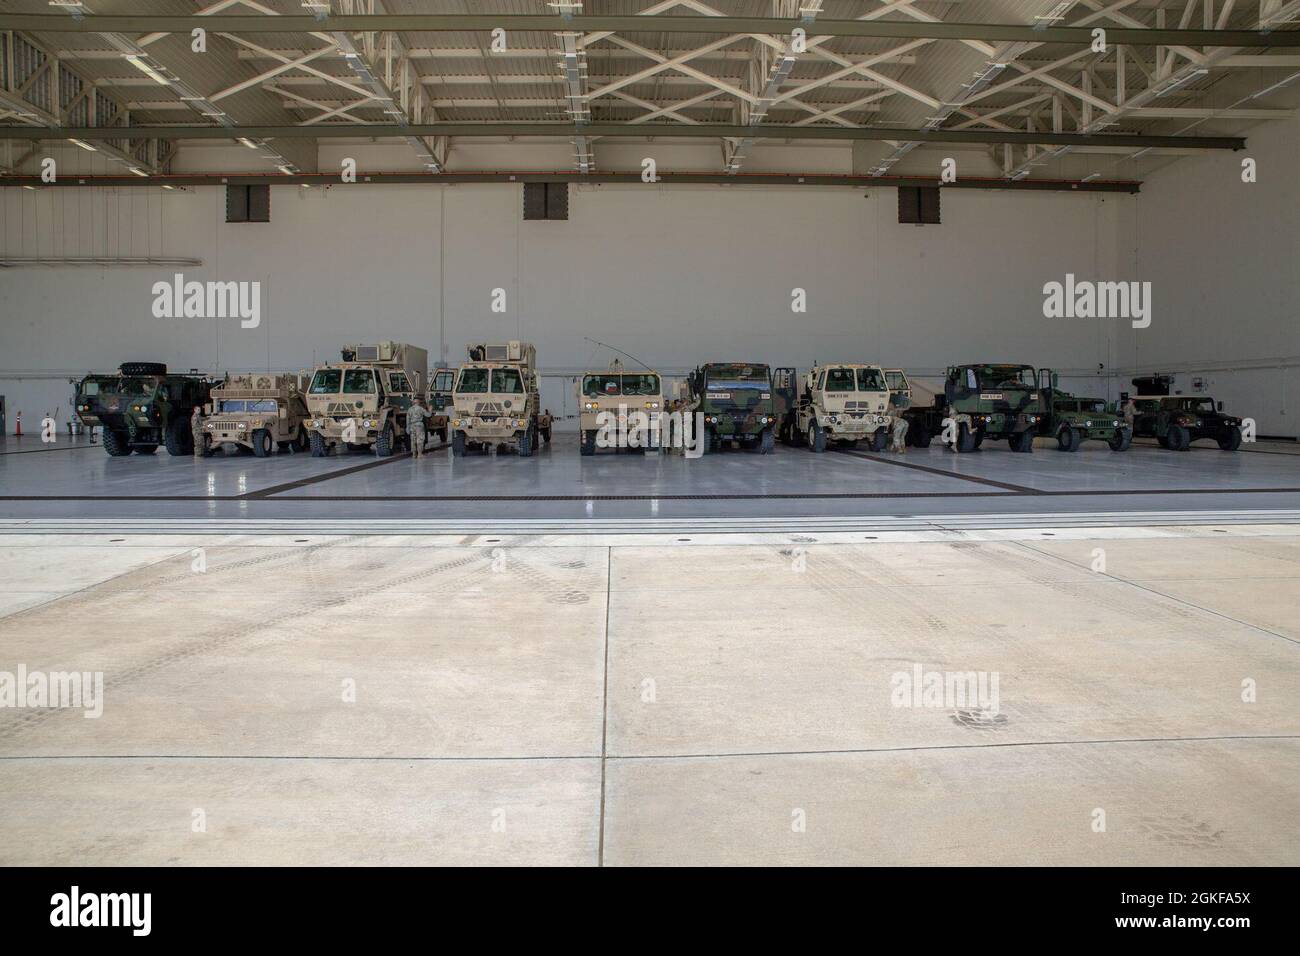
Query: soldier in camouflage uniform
x: 196, y: 432
x: 416, y: 416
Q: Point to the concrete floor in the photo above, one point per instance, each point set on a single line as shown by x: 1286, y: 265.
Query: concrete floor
x: 544, y: 700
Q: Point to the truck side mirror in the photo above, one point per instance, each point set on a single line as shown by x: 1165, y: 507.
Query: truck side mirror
x: 284, y: 412
x: 1220, y: 406
x: 1055, y: 380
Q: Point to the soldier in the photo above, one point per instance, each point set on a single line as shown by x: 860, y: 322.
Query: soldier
x: 1130, y: 412
x: 898, y: 434
x: 196, y: 432
x: 415, y: 419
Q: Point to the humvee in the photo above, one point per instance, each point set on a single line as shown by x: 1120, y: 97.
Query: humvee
x: 440, y: 385
x: 361, y: 401
x: 1176, y: 421
x: 632, y: 400
x: 985, y: 401
x: 840, y: 403
x: 257, y: 411
x: 143, y: 407
x: 736, y: 401
x: 495, y: 400
x: 1072, y: 419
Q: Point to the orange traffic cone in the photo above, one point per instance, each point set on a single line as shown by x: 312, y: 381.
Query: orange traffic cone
x: 18, y: 433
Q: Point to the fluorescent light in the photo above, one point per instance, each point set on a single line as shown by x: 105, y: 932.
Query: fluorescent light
x: 165, y: 186
x: 1089, y: 177
x: 85, y: 146
x: 287, y: 170
x: 32, y: 188
x: 138, y: 171
x: 1276, y: 86
x: 248, y: 142
x: 146, y: 69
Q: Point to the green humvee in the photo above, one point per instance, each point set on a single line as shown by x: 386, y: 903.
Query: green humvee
x: 1072, y: 420
x: 735, y: 399
x: 143, y: 407
x: 1178, y: 420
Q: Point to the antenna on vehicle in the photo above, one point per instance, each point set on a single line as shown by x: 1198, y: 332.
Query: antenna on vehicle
x: 620, y: 352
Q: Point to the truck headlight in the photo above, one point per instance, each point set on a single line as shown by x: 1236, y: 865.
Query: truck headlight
x: 241, y: 426
x: 830, y: 418
x: 1087, y: 424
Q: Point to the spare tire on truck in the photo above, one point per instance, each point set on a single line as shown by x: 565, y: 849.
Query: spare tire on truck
x: 143, y: 368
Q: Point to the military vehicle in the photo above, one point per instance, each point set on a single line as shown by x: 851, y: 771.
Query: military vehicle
x: 440, y: 405
x: 361, y: 401
x: 1176, y: 421
x: 626, y: 406
x: 736, y: 401
x: 143, y: 407
x: 840, y: 403
x: 257, y: 411
x: 495, y: 400
x: 985, y: 401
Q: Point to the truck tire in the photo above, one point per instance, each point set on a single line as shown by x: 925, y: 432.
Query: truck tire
x: 767, y: 444
x: 1180, y: 439
x: 143, y: 368
x: 145, y: 449
x: 177, y: 437
x: 587, y: 444
x: 879, y: 438
x: 816, y: 437
x: 715, y: 443
x: 262, y: 443
x: 1122, y: 440
x: 458, y: 445
x: 966, y: 440
x: 1230, y: 438
x: 319, y: 447
x: 116, y: 443
x: 524, y: 444
x: 384, y: 444
x: 920, y: 437
x: 1022, y: 442
x: 1067, y: 439
x: 1163, y: 440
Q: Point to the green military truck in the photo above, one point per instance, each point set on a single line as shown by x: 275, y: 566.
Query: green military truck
x: 989, y: 400
x: 736, y: 401
x: 1072, y: 420
x: 1175, y: 421
x: 142, y: 407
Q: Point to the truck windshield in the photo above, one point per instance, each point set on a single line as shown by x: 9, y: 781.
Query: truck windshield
x: 326, y: 382
x: 231, y: 405
x: 1203, y: 405
x: 1006, y: 376
x: 896, y: 380
x: 1092, y: 406
x: 870, y: 380
x: 137, y: 386
x: 507, y: 380
x: 359, y: 381
x: 473, y: 380
x: 594, y: 386
x: 640, y: 384
x: 839, y: 380
x: 89, y: 388
x: 728, y: 377
x: 442, y: 381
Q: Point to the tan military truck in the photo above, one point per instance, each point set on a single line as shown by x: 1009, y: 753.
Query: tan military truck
x: 620, y: 409
x: 361, y: 401
x: 843, y: 403
x: 495, y: 400
x: 257, y: 411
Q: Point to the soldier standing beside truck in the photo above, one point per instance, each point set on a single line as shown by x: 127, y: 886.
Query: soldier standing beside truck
x: 196, y: 433
x: 416, y: 416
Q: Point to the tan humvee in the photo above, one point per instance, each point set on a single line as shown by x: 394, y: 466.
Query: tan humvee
x: 362, y: 400
x: 843, y: 403
x: 495, y: 400
x: 620, y: 409
x: 257, y: 411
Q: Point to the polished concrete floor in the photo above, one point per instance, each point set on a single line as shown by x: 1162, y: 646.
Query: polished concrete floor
x: 66, y: 480
x: 535, y: 700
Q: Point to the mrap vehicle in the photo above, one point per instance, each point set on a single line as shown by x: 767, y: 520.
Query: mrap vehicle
x: 840, y: 403
x: 988, y: 400
x: 735, y: 399
x: 495, y: 400
x: 361, y: 401
x: 142, y: 407
x: 258, y: 412
x: 625, y: 407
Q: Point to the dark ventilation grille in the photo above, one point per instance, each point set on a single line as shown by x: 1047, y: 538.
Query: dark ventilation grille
x: 918, y: 204
x: 248, y: 204
x: 546, y: 200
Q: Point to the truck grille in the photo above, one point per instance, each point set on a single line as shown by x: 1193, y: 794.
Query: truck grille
x: 223, y: 426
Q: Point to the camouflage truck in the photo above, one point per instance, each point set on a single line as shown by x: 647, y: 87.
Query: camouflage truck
x: 994, y: 401
x: 361, y: 401
x: 840, y: 403
x: 440, y: 387
x: 1072, y: 420
x: 142, y: 407
x: 1175, y: 421
x: 633, y: 401
x: 495, y: 400
x: 736, y: 401
x: 257, y: 411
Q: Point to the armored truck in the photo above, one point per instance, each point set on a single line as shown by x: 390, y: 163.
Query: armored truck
x: 620, y: 409
x: 142, y: 407
x: 736, y: 401
x: 495, y: 400
x: 838, y: 403
x: 996, y: 401
x: 1175, y: 421
x: 361, y: 401
x: 258, y: 412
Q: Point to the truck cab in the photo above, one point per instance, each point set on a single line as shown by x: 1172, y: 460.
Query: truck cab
x: 624, y: 407
x: 841, y: 403
x: 736, y: 401
x: 361, y: 401
x: 495, y: 399
x: 994, y: 400
x: 142, y: 407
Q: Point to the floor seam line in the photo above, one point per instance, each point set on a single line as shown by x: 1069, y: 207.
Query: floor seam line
x: 604, y: 705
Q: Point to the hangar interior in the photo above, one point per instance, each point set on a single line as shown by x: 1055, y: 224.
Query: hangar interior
x: 623, y: 659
